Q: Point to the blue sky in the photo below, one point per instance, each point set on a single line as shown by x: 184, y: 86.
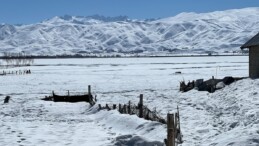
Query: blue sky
x: 31, y: 11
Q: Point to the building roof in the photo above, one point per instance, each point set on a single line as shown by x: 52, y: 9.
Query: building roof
x: 254, y: 41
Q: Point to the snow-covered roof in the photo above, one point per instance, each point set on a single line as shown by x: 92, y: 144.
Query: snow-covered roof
x: 254, y: 41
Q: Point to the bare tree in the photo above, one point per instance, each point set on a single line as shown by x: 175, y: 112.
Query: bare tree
x: 17, y: 59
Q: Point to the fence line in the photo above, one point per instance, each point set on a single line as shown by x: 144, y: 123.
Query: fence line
x: 174, y: 135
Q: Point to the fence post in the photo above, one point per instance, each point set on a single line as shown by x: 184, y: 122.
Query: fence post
x: 141, y: 106
x: 179, y: 125
x: 129, y: 110
x: 95, y: 98
x: 124, y: 109
x: 89, y: 90
x: 53, y: 93
x: 68, y: 93
x: 175, y: 126
x: 7, y: 98
x: 114, y: 106
x: 170, y: 130
x: 147, y: 116
x: 120, y: 108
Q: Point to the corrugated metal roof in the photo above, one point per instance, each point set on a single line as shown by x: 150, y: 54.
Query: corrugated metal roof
x: 254, y: 41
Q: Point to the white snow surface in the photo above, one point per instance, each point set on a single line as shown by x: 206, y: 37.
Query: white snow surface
x: 220, y: 31
x: 228, y: 117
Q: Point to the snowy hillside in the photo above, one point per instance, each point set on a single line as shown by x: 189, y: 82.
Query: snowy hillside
x: 184, y: 33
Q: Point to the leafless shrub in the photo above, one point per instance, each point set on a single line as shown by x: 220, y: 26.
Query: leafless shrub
x: 17, y: 59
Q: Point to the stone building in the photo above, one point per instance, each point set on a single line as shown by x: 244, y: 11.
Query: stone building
x: 253, y: 47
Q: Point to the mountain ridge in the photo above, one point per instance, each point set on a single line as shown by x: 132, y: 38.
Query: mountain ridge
x: 219, y: 32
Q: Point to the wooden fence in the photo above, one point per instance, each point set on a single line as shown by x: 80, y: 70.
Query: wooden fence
x: 140, y: 110
x: 72, y: 98
x: 17, y: 72
x: 174, y: 135
x: 208, y: 85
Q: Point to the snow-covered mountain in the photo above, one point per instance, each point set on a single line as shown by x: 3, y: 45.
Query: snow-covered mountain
x: 187, y: 32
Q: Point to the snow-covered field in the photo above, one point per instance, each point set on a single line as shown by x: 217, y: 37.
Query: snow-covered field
x: 227, y: 117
